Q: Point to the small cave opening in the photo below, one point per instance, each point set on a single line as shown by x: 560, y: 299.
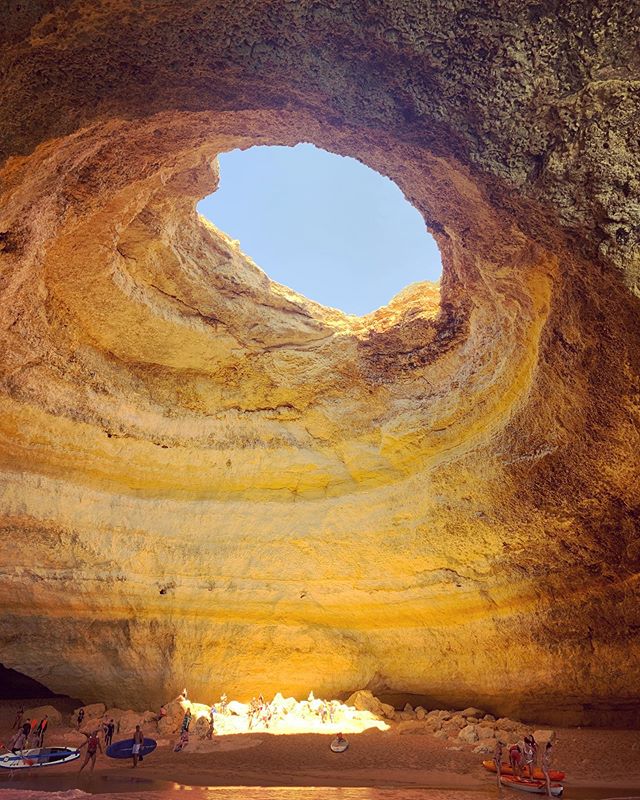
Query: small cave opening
x: 325, y: 225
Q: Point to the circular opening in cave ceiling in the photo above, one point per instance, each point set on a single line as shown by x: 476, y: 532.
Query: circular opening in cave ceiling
x: 325, y: 225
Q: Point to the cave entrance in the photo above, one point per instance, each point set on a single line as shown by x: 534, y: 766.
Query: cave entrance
x: 327, y: 226
x: 16, y: 685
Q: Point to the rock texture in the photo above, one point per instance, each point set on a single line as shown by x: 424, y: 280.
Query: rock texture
x: 207, y: 479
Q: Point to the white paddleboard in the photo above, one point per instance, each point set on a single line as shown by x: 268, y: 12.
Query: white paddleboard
x: 38, y: 757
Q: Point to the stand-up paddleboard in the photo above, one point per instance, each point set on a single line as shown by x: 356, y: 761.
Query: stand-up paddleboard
x: 338, y: 746
x: 124, y: 749
x: 505, y: 769
x: 38, y: 757
x: 532, y: 787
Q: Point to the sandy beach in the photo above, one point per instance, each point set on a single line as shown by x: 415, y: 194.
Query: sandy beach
x: 603, y: 760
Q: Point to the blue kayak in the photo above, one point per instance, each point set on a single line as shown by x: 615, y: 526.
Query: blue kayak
x: 124, y: 749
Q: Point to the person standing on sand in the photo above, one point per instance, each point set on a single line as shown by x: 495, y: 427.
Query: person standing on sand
x: 93, y: 745
x: 18, y: 742
x: 138, y: 742
x: 497, y: 758
x: 515, y: 759
x: 528, y: 755
x: 18, y: 720
x: 80, y: 717
x: 186, y: 721
x: 40, y: 730
x: 108, y: 734
x: 546, y: 766
x: 32, y: 731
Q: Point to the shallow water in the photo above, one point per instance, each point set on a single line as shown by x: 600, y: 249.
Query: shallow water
x: 133, y: 788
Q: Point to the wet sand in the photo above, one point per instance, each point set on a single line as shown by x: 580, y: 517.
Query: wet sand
x: 599, y: 763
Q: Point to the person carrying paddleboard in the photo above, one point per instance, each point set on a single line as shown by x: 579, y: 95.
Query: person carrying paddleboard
x: 93, y: 745
x: 138, y: 742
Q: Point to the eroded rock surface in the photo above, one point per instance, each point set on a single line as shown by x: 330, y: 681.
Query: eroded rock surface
x: 210, y: 480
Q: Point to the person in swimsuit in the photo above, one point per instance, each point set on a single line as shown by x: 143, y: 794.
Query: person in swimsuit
x: 528, y: 755
x: 546, y: 766
x: 93, y: 745
x: 515, y: 759
x: 138, y: 742
x: 80, y: 717
x: 497, y: 758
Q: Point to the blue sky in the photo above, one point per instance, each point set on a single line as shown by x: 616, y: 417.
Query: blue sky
x: 327, y: 226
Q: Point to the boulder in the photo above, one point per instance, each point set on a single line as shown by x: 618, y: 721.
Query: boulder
x: 408, y: 708
x: 55, y: 717
x: 201, y: 727
x: 459, y: 720
x: 364, y: 700
x: 484, y: 747
x: 451, y: 728
x: 441, y: 734
x: 472, y: 712
x: 489, y: 718
x: 544, y: 736
x: 92, y: 711
x: 407, y: 715
x: 469, y: 734
x: 237, y: 708
x: 434, y: 723
x: 421, y: 713
x: 506, y: 724
x: 504, y: 736
x: 114, y: 713
x: 129, y: 720
x: 171, y: 721
x: 412, y: 727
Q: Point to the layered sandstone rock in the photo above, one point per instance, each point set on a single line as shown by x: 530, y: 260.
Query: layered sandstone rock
x: 210, y: 480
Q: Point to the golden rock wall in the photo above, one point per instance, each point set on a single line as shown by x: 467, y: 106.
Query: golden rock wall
x: 207, y: 479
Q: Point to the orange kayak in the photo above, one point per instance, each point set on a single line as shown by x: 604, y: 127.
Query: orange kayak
x: 554, y: 774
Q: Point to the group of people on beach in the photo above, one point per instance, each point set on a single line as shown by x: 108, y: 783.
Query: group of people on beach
x: 523, y: 759
x: 29, y: 733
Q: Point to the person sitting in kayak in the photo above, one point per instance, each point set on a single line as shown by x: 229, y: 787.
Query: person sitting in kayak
x: 515, y: 759
x: 340, y: 739
x: 93, y: 745
x: 497, y: 758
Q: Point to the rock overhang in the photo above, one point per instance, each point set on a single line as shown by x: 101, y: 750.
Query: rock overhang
x: 172, y: 419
